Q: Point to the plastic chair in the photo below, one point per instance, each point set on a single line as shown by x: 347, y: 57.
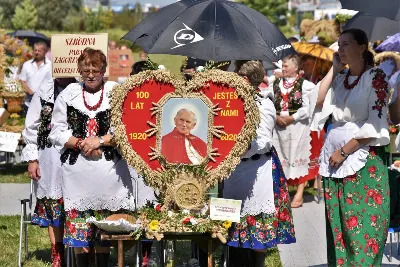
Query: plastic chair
x: 391, y: 232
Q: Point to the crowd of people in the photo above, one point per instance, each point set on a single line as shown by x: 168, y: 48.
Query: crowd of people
x: 79, y: 172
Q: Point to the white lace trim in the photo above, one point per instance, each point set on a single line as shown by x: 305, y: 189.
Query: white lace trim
x: 30, y: 152
x: 350, y: 166
x: 112, y: 204
x: 255, y: 208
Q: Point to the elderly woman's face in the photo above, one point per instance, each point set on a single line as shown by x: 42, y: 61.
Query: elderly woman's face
x: 289, y: 68
x: 92, y: 76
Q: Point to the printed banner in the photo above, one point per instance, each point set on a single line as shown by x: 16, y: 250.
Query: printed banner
x: 120, y: 62
x: 66, y: 49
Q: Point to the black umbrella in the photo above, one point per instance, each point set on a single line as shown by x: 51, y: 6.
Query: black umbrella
x: 376, y: 28
x: 217, y: 30
x: 382, y: 8
x: 31, y: 36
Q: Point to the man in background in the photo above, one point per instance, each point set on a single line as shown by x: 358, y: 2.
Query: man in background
x: 34, y: 72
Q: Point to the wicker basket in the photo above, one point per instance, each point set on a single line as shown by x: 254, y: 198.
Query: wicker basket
x: 14, y: 104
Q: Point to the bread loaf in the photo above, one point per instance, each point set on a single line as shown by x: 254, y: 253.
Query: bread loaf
x: 116, y: 217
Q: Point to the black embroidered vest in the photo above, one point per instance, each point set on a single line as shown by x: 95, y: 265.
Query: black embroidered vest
x: 78, y: 122
x: 295, y: 96
x: 45, y: 124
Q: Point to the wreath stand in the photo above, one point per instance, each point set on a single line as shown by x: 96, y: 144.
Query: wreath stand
x: 122, y: 238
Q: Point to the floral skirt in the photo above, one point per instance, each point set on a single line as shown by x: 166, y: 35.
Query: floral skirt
x: 78, y: 233
x: 267, y: 230
x: 48, y: 212
x: 357, y: 214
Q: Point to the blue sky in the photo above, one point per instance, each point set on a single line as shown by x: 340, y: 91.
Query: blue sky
x: 158, y: 2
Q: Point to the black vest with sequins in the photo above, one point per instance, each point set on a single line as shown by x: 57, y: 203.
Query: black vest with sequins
x: 78, y: 122
x: 45, y: 124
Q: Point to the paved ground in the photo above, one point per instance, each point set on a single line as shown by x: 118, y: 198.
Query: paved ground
x: 309, y: 221
x: 310, y: 249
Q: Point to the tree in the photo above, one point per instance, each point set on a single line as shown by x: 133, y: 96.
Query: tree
x: 105, y: 17
x: 274, y: 10
x: 8, y: 7
x: 51, y: 13
x: 25, y: 17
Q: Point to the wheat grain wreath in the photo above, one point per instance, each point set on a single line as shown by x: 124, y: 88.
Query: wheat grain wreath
x: 184, y: 137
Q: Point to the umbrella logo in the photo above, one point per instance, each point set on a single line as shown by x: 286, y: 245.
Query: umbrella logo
x: 186, y: 36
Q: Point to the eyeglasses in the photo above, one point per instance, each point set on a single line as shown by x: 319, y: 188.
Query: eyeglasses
x: 94, y: 72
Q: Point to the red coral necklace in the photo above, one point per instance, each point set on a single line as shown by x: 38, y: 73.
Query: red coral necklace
x: 95, y: 107
x: 288, y: 85
x: 346, y: 79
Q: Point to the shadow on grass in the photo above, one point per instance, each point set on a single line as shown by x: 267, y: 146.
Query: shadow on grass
x: 41, y: 255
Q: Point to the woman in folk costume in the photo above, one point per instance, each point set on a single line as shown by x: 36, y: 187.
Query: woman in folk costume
x: 259, y: 181
x: 352, y: 164
x: 45, y: 166
x: 292, y: 138
x: 96, y: 181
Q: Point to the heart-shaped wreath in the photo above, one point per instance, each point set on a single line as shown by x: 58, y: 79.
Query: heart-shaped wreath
x: 184, y: 137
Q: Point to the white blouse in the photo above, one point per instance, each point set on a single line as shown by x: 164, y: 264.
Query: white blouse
x: 252, y: 180
x: 357, y: 113
x: 90, y: 183
x: 49, y: 184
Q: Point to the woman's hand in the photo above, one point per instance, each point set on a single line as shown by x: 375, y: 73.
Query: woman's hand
x: 281, y: 121
x: 89, y: 144
x: 95, y: 153
x: 337, y: 63
x: 33, y: 170
x: 336, y: 159
x: 288, y: 120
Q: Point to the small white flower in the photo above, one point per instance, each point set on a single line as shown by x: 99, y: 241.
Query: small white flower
x: 200, y: 68
x: 186, y: 212
x: 193, y: 221
x: 161, y: 67
x: 91, y: 219
x: 170, y: 213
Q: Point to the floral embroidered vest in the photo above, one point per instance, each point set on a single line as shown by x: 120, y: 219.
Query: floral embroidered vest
x: 294, y: 97
x: 45, y: 124
x: 78, y: 122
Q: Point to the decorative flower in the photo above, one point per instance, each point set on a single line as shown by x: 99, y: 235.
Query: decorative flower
x: 200, y: 69
x: 297, y: 95
x: 352, y: 221
x: 340, y: 261
x: 372, y: 169
x: 161, y: 67
x: 154, y: 225
x: 373, y: 218
x: 185, y: 212
x: 227, y: 224
x: 157, y: 207
x: 170, y: 213
x: 378, y: 198
x: 349, y: 201
x: 186, y: 220
x: 193, y: 221
x: 251, y: 220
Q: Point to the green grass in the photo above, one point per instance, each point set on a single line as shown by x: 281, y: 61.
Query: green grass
x: 39, y: 244
x: 14, y: 173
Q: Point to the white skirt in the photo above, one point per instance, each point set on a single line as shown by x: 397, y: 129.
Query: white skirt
x: 49, y: 184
